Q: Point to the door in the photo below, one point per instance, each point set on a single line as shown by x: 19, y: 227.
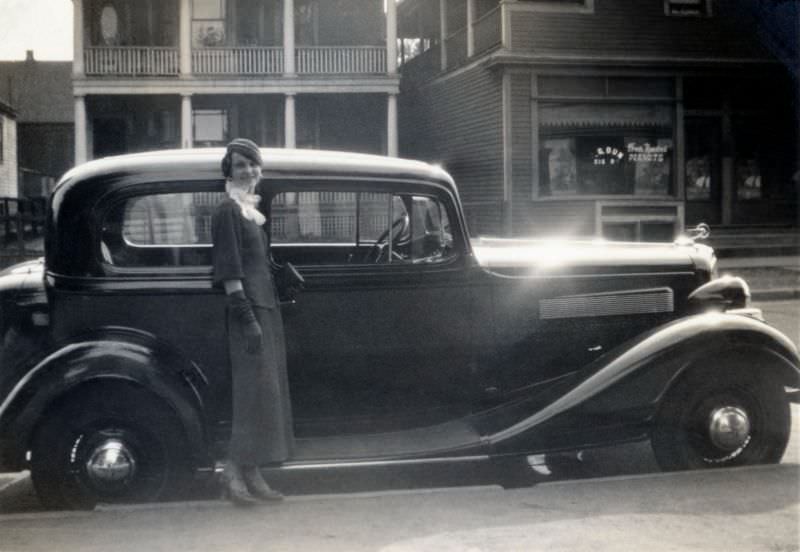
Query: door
x: 379, y: 340
x: 703, y: 170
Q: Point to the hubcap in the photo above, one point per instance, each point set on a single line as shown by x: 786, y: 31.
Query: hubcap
x: 111, y: 464
x: 729, y: 428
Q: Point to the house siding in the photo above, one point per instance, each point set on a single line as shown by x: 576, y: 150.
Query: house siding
x: 456, y: 121
x: 635, y: 28
x: 8, y: 165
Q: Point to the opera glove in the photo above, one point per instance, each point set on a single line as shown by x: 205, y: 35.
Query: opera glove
x: 243, y: 312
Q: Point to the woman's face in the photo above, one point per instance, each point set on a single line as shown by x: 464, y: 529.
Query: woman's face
x: 245, y: 173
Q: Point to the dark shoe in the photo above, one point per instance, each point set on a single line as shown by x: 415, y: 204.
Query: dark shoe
x: 258, y: 487
x: 235, y: 489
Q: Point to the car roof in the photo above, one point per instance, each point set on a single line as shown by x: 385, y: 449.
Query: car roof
x: 205, y: 163
x: 71, y: 216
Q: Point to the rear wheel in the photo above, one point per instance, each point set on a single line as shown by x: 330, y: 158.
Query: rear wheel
x: 720, y: 419
x: 108, y: 447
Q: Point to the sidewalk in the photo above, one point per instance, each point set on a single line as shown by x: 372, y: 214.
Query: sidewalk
x: 770, y: 278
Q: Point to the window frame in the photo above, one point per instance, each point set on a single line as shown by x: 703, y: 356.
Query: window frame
x: 150, y: 189
x: 554, y: 6
x: 356, y: 184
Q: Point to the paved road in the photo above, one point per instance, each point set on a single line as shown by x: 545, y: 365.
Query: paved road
x: 743, y: 509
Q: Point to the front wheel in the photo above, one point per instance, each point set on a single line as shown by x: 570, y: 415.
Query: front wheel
x: 720, y: 419
x: 107, y: 447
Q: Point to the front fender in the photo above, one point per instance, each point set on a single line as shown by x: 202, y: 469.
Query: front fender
x: 637, y: 374
x: 113, y: 355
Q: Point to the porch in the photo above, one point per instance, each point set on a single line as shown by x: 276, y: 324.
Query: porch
x: 151, y: 61
x: 149, y: 38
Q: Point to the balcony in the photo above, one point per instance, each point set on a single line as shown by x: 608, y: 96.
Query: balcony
x: 236, y: 60
x: 137, y: 61
x: 337, y: 60
x: 247, y: 60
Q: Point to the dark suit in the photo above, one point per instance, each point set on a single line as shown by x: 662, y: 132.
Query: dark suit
x: 261, y: 430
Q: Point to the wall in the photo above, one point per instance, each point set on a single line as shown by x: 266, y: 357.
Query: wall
x: 636, y: 28
x: 8, y: 166
x: 456, y: 121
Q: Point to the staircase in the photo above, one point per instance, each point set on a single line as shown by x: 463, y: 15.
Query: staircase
x: 754, y: 241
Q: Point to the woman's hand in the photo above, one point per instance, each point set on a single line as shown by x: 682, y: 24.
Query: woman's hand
x: 241, y: 310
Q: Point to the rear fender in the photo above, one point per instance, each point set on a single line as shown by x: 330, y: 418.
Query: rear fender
x: 113, y: 355
x: 638, y: 374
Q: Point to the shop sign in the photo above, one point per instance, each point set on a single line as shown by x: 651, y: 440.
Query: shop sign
x: 608, y: 155
x: 647, y: 153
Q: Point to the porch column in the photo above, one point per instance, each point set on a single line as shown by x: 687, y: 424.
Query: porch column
x: 187, y: 140
x: 289, y: 133
x: 470, y: 29
x: 77, y: 38
x: 391, y: 37
x: 443, y: 32
x: 185, y: 40
x: 288, y: 44
x: 391, y: 126
x: 81, y: 153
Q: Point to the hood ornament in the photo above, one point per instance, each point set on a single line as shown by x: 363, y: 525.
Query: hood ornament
x: 700, y: 232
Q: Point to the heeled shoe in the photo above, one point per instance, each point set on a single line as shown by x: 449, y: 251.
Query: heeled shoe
x: 235, y: 490
x: 258, y: 487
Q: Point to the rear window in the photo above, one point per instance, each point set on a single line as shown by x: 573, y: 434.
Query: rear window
x: 160, y: 230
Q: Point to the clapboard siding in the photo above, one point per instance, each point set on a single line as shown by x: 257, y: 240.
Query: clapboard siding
x: 520, y: 145
x: 457, y: 121
x: 636, y: 28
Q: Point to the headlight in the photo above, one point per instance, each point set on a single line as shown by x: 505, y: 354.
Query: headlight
x: 725, y: 293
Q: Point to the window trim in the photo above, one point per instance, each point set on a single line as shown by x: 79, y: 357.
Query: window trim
x: 553, y: 6
x: 146, y: 190
x: 283, y: 183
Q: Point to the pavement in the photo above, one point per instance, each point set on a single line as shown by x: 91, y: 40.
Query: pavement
x: 769, y: 278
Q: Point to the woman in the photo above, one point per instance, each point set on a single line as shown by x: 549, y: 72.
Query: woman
x: 261, y: 432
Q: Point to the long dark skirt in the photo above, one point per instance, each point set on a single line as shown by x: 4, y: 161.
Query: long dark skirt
x: 261, y: 430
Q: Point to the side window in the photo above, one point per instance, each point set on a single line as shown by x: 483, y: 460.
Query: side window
x: 160, y: 230
x: 344, y: 228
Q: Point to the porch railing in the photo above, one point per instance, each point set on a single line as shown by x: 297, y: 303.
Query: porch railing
x: 245, y: 60
x: 487, y: 30
x: 234, y: 60
x: 131, y: 60
x: 341, y: 59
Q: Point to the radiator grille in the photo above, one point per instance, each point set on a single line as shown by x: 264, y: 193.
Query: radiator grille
x: 617, y: 303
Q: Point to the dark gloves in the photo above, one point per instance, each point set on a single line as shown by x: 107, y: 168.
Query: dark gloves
x: 288, y: 281
x: 241, y: 310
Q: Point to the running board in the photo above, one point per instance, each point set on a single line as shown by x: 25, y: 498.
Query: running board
x: 437, y: 440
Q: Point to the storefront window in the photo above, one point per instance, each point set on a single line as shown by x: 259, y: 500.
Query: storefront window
x: 748, y: 136
x: 626, y: 163
x: 702, y: 149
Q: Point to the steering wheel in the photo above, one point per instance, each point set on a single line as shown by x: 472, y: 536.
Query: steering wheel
x: 399, y: 227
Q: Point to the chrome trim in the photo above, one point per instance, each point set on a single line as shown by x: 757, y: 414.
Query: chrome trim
x: 613, y: 303
x: 729, y: 428
x: 111, y: 463
x: 379, y: 463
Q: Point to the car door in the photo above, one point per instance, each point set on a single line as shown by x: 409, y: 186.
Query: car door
x: 379, y: 339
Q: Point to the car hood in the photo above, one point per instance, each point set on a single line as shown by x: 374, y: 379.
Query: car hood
x: 526, y: 255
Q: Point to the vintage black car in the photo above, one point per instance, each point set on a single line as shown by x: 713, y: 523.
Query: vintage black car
x: 411, y: 343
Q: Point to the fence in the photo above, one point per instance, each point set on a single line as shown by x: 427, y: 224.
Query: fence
x: 21, y: 229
